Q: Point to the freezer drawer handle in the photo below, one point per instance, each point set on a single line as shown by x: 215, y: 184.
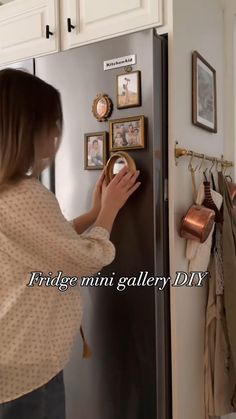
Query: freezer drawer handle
x: 48, y: 33
x: 69, y: 25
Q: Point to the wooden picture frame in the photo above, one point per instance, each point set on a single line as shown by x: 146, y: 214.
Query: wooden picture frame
x: 127, y: 133
x: 98, y: 159
x: 118, y: 157
x: 102, y: 107
x: 124, y: 97
x: 204, y: 95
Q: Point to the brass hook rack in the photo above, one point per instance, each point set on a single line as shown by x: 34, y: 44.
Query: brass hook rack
x: 180, y: 152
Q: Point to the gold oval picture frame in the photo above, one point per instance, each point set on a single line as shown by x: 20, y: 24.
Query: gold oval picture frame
x: 102, y: 107
x: 116, y: 160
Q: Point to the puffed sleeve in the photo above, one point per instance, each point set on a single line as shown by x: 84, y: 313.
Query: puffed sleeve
x: 37, y: 234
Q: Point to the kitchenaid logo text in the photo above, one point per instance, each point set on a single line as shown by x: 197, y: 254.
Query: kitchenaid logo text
x: 119, y: 62
x: 62, y: 282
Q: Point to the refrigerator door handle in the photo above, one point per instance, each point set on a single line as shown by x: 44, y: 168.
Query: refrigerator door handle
x: 69, y: 25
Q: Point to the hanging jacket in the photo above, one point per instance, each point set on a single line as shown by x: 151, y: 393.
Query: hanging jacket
x: 219, y: 373
x: 229, y: 264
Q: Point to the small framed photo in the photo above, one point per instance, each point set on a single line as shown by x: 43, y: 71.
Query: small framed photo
x: 128, y: 87
x: 204, y: 102
x: 95, y: 150
x: 102, y: 107
x: 127, y: 133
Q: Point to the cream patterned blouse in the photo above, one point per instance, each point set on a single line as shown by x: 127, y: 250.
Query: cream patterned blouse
x: 38, y: 324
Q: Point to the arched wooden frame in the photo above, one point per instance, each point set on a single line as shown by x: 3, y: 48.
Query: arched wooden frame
x: 110, y: 164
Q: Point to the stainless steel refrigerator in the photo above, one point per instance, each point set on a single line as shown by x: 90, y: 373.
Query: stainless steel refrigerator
x: 128, y: 376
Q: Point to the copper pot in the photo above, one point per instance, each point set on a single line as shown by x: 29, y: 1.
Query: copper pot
x: 197, y: 223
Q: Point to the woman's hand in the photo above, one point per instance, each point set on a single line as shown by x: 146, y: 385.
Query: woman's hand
x: 97, y: 196
x: 114, y: 196
x: 116, y: 193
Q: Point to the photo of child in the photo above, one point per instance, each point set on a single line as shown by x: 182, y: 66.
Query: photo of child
x: 118, y: 140
x: 95, y: 150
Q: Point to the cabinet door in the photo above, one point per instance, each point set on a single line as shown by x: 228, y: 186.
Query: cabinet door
x: 23, y: 29
x: 95, y: 20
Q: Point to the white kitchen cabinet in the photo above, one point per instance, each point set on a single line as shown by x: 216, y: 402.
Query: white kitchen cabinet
x: 99, y: 19
x: 70, y: 23
x: 23, y: 29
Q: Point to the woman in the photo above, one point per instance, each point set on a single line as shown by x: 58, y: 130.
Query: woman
x: 39, y: 323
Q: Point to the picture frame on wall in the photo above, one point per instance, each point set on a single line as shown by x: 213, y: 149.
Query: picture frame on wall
x: 95, y: 150
x: 128, y: 89
x: 102, y: 107
x: 127, y: 133
x: 204, y: 95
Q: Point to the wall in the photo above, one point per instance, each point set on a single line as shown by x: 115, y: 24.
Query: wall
x: 193, y: 25
x: 230, y: 77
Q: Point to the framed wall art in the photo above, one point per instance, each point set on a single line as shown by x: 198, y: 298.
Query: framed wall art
x: 127, y: 133
x: 128, y: 89
x: 95, y: 150
x: 102, y: 107
x: 204, y: 100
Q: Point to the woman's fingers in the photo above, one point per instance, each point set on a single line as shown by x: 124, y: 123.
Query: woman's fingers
x: 129, y: 179
x: 120, y: 175
x: 104, y: 185
x: 101, y: 178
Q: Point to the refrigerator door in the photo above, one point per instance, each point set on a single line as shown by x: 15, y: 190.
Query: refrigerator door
x: 127, y: 330
x: 27, y: 65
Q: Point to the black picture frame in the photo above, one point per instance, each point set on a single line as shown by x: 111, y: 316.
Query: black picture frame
x: 204, y: 94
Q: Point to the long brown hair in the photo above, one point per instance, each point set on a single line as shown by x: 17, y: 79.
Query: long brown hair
x: 29, y: 109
